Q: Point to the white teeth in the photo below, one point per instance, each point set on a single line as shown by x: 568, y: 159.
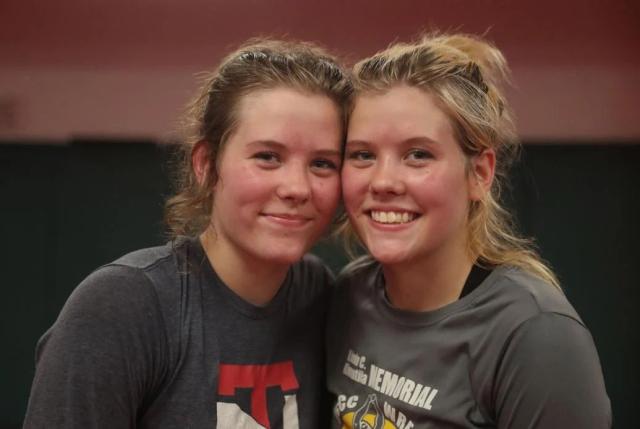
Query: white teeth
x: 392, y: 217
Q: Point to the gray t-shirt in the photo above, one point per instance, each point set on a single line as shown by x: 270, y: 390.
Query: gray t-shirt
x: 513, y: 353
x: 157, y: 340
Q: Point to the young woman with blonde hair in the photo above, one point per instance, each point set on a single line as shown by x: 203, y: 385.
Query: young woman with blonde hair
x: 453, y: 320
x: 222, y: 327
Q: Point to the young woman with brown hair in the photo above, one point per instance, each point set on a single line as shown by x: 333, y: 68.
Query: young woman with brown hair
x: 222, y: 327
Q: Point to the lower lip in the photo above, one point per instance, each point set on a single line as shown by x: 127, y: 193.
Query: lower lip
x: 286, y: 221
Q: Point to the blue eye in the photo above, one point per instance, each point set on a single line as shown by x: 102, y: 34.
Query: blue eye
x: 361, y: 155
x: 419, y: 155
x: 360, y: 158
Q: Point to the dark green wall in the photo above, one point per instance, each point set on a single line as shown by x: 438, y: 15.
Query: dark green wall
x: 65, y: 210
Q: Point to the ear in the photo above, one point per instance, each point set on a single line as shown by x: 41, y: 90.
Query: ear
x: 200, y: 161
x: 483, y: 169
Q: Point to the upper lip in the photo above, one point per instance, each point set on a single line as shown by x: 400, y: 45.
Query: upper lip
x: 290, y: 216
x: 388, y: 209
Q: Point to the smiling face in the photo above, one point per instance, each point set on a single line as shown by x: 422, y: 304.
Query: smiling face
x: 278, y: 183
x: 405, y: 182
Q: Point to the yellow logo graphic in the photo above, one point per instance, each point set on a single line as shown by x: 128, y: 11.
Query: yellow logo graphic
x: 368, y: 416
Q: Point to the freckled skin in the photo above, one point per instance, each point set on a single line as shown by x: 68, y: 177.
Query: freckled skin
x: 278, y: 183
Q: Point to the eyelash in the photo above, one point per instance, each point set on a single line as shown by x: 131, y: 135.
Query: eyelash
x: 422, y: 154
x: 324, y: 164
x: 269, y: 157
x: 272, y: 158
x: 360, y: 155
x: 417, y: 154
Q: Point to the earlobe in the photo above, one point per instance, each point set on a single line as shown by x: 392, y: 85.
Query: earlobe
x: 200, y: 160
x: 483, y: 168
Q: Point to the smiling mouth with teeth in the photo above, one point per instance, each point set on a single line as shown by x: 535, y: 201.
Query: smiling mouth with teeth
x: 392, y: 217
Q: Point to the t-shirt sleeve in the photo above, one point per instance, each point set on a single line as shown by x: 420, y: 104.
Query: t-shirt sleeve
x: 103, y: 357
x: 550, y: 376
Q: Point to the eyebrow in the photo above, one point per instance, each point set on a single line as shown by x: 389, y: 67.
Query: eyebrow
x: 268, y: 143
x: 279, y: 146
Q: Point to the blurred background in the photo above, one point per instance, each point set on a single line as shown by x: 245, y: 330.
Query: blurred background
x: 91, y: 90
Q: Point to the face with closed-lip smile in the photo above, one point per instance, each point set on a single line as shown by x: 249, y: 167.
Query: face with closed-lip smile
x: 278, y: 181
x: 405, y: 179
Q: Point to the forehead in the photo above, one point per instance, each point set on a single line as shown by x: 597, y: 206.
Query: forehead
x: 401, y: 112
x: 282, y: 106
x: 295, y: 120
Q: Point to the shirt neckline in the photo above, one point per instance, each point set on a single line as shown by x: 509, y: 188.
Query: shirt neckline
x: 423, y: 318
x: 197, y: 256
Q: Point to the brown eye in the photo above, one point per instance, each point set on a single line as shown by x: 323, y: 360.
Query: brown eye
x: 324, y: 164
x: 267, y: 159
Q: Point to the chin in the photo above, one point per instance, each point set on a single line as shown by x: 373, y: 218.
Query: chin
x: 386, y: 250
x: 285, y: 255
x: 387, y: 256
x: 285, y: 259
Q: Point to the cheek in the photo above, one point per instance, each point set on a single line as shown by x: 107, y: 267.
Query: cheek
x: 354, y: 186
x: 327, y: 194
x: 242, y: 185
x: 447, y: 195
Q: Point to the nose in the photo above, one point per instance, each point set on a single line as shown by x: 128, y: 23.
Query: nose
x: 386, y: 180
x: 294, y: 185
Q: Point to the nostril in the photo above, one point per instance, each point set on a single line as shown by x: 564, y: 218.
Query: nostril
x: 387, y: 186
x: 294, y: 193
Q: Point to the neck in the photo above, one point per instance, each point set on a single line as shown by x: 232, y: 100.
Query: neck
x: 428, y: 283
x: 252, y: 279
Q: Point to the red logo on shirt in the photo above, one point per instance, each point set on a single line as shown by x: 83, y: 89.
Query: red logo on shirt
x: 258, y: 378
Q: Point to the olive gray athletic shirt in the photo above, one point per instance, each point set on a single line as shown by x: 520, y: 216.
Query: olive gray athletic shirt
x: 513, y: 353
x: 156, y: 340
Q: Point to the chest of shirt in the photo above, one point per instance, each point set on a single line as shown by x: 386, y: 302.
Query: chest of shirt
x: 408, y: 376
x: 228, y: 366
